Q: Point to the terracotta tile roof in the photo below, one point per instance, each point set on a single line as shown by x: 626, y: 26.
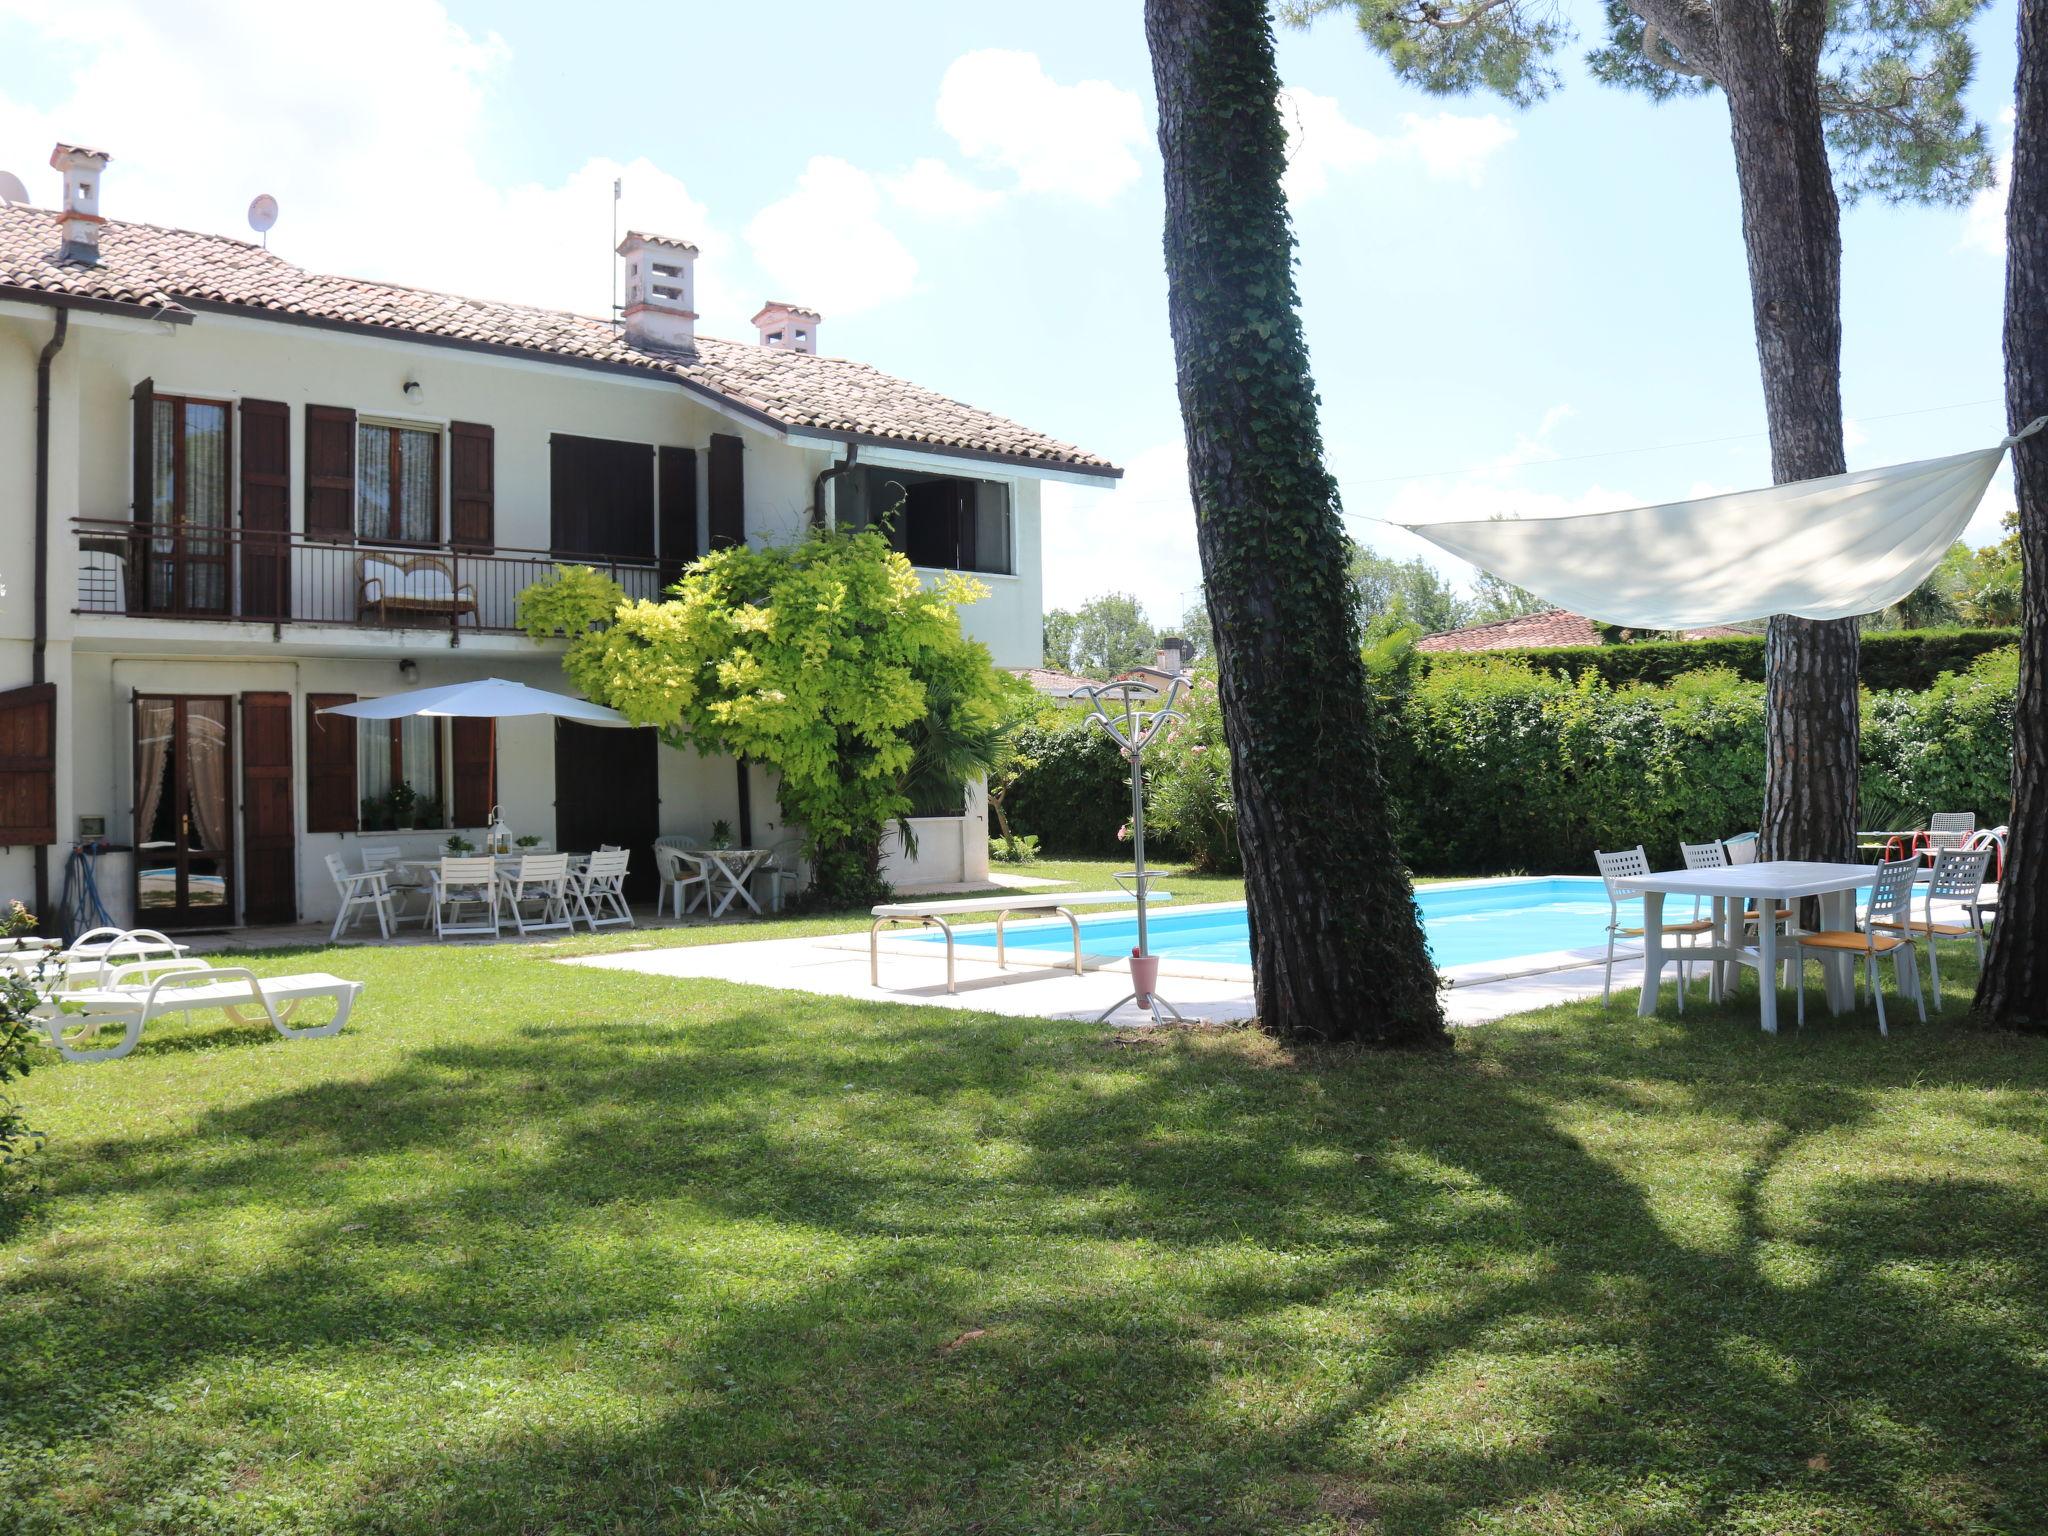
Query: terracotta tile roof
x: 774, y: 305
x: 180, y: 270
x: 1053, y: 684
x: 1551, y: 627
x: 671, y: 240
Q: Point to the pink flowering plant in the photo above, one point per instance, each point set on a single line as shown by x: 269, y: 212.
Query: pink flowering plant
x: 1188, y: 803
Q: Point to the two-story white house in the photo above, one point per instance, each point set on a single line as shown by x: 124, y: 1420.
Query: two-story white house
x: 234, y: 492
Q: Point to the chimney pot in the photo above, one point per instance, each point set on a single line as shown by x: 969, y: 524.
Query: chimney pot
x: 79, y: 221
x: 661, y: 291
x: 788, y: 327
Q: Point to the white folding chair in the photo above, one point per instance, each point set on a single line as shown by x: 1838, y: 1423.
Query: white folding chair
x: 462, y: 884
x: 782, y: 870
x: 1958, y: 878
x: 599, y: 891
x: 368, y: 891
x: 679, y: 874
x: 408, y: 887
x: 540, y: 882
x: 1622, y: 866
x: 1741, y: 848
x: 1887, y: 930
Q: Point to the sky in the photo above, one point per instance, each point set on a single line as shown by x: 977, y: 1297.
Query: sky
x: 1508, y: 311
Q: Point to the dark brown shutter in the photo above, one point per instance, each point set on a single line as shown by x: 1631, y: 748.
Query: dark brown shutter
x: 678, y: 476
x: 144, y: 483
x: 28, y: 766
x: 726, y: 486
x: 269, y: 877
x: 331, y: 473
x: 266, y: 509
x: 472, y: 481
x: 330, y: 765
x: 474, y: 746
x: 600, y: 497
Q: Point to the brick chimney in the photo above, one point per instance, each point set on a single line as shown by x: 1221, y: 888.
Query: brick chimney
x: 79, y: 221
x: 661, y: 291
x: 788, y: 327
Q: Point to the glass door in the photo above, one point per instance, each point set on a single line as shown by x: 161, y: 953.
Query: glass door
x: 184, y: 832
x: 188, y: 513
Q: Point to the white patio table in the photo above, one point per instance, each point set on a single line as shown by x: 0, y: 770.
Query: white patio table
x: 731, y: 868
x: 1770, y: 885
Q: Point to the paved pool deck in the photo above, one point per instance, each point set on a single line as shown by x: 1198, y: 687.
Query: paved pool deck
x: 915, y: 973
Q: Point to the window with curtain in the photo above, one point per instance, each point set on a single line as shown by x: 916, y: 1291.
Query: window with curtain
x: 391, y: 754
x: 188, y: 505
x: 398, y: 484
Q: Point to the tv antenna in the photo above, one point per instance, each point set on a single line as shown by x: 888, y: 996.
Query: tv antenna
x: 1132, y: 714
x: 263, y: 214
x: 12, y: 192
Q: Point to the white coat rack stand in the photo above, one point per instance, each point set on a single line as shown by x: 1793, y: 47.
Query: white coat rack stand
x: 1132, y: 715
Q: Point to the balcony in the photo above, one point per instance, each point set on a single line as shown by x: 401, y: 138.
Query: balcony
x: 232, y: 575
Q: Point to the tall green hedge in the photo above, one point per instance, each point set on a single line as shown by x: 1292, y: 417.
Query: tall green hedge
x: 1892, y: 659
x: 1494, y: 764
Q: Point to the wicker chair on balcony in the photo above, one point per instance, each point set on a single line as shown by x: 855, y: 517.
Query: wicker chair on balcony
x: 413, y: 584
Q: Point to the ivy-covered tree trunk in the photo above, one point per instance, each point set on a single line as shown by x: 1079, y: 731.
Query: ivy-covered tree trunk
x: 1337, y: 943
x: 2014, y: 988
x: 1791, y: 229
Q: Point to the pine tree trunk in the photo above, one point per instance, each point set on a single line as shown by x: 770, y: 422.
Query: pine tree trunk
x: 1337, y: 943
x: 2014, y: 988
x: 1791, y: 230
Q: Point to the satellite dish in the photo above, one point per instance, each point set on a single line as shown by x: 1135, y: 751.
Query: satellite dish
x: 263, y: 214
x: 12, y: 192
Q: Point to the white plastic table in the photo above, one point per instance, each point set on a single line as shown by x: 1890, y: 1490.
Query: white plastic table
x: 732, y: 868
x: 1770, y: 885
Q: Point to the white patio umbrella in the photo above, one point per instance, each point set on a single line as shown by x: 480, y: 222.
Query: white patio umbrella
x: 488, y: 698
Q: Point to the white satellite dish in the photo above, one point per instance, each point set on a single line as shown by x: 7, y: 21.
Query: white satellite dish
x: 12, y: 192
x: 263, y: 214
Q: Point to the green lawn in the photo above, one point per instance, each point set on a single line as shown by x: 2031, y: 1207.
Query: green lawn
x: 540, y: 1249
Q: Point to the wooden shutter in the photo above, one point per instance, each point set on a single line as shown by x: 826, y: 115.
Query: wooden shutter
x: 331, y: 804
x: 269, y: 874
x: 474, y: 747
x: 472, y: 480
x: 331, y: 473
x: 266, y: 509
x: 28, y: 766
x: 144, y: 468
x: 678, y: 477
x: 600, y: 497
x: 727, y: 492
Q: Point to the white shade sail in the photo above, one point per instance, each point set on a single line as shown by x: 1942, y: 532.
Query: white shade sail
x: 488, y: 698
x: 1820, y: 549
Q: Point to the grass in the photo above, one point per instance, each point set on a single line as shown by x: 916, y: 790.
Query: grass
x: 540, y: 1249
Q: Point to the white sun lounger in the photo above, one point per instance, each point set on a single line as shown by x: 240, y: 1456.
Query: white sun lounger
x: 188, y: 986
x: 934, y: 914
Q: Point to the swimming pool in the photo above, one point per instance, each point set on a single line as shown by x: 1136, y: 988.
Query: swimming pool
x: 1468, y: 923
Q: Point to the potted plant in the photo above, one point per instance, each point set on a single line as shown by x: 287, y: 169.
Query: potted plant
x: 721, y: 834
x: 527, y: 840
x: 458, y: 845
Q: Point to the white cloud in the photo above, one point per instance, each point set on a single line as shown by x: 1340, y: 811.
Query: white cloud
x: 1322, y: 142
x: 1984, y: 219
x: 1139, y: 538
x: 826, y: 245
x: 1005, y: 112
x: 934, y: 190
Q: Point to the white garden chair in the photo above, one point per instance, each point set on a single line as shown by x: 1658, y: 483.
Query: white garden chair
x: 678, y: 873
x: 539, y: 885
x: 599, y: 891
x: 466, y: 897
x: 1958, y: 879
x: 404, y: 883
x: 364, y: 892
x: 782, y: 870
x: 1741, y: 848
x: 1625, y: 865
x: 1887, y: 930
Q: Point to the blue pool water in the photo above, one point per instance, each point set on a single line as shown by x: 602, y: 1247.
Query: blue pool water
x: 1466, y: 925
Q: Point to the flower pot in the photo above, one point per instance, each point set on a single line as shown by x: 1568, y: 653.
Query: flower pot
x: 1144, y: 977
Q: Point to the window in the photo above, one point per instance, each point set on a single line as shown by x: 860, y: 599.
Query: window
x: 939, y: 522
x: 398, y: 773
x: 188, y: 504
x: 398, y: 483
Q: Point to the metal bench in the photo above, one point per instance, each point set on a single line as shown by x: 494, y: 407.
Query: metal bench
x: 934, y: 914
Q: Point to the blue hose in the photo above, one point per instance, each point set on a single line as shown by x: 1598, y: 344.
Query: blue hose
x: 80, y: 909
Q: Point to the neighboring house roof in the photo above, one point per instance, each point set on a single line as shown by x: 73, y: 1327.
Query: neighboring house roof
x: 1053, y: 684
x: 1551, y: 627
x: 181, y: 271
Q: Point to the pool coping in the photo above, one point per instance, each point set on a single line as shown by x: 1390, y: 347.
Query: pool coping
x: 1477, y: 973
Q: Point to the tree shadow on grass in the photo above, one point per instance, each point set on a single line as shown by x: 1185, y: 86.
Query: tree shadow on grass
x: 952, y: 1273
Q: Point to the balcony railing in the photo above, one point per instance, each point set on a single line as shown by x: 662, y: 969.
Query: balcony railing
x: 146, y: 570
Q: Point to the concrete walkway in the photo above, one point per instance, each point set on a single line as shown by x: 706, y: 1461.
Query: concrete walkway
x: 915, y: 973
